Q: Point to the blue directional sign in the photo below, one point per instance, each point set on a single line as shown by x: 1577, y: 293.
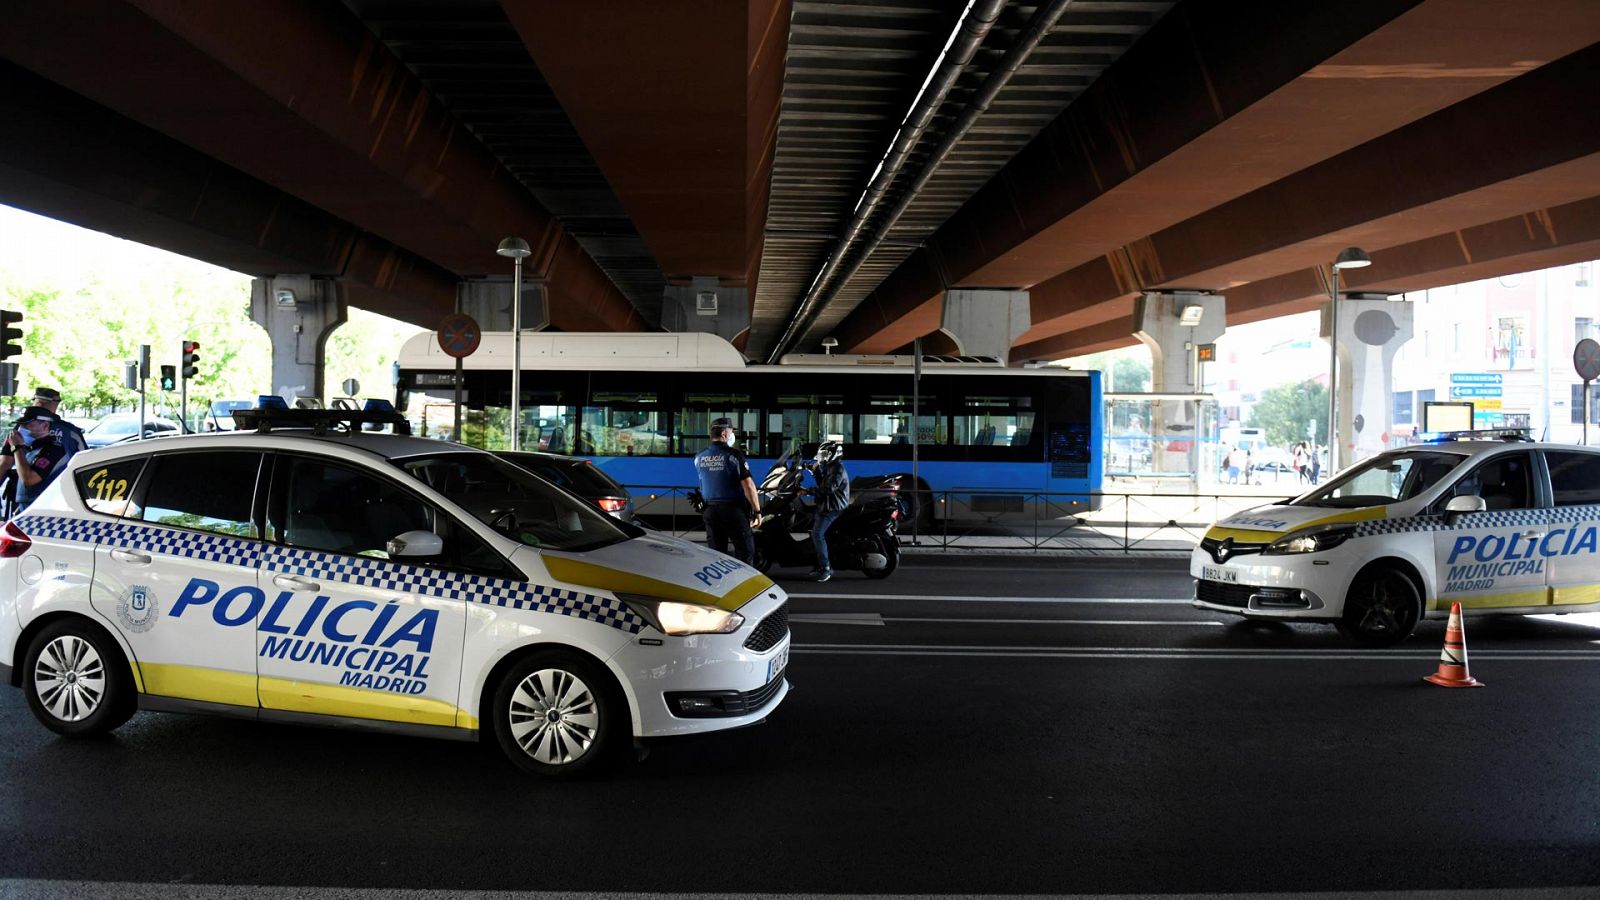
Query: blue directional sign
x: 1476, y: 378
x: 1459, y: 392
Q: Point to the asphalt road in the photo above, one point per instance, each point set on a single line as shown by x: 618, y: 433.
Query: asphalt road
x: 1018, y: 725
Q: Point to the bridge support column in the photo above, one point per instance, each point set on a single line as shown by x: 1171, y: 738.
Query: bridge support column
x: 488, y: 302
x: 1158, y: 323
x: 984, y: 321
x: 704, y: 305
x: 298, y: 312
x: 1370, y: 332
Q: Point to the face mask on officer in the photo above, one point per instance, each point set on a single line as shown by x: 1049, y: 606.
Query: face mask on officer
x: 728, y: 436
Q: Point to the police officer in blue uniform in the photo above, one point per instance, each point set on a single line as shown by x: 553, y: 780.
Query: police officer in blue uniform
x: 35, y: 454
x: 732, y: 504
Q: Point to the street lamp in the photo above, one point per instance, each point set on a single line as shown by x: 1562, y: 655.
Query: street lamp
x: 517, y: 249
x: 1348, y: 258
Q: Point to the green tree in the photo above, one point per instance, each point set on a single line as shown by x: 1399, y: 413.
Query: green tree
x: 1130, y: 375
x: 1284, y: 411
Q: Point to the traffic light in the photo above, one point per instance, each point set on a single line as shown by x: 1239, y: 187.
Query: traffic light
x: 10, y: 334
x: 191, y: 359
x: 169, y: 378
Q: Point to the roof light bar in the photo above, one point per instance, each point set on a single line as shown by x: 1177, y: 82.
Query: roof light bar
x: 266, y: 417
x: 1477, y: 434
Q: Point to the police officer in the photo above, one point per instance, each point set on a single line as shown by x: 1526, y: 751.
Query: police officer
x: 35, y: 454
x: 68, y: 435
x: 833, y: 495
x: 730, y: 494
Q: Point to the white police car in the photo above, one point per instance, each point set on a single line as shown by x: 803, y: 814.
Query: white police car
x: 1488, y: 519
x: 332, y: 576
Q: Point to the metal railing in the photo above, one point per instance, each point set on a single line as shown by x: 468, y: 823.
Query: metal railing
x: 1120, y: 522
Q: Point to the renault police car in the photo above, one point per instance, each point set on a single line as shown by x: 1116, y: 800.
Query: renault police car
x: 323, y: 574
x: 1489, y: 519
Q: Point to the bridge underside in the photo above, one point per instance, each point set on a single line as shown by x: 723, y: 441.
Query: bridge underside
x: 822, y: 161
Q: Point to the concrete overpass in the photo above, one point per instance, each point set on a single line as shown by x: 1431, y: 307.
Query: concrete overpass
x: 877, y: 171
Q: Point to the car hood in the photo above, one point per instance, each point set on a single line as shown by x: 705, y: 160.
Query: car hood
x: 1264, y: 524
x: 664, y: 567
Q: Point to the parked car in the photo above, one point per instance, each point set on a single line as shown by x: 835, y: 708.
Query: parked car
x: 578, y: 475
x: 119, y: 427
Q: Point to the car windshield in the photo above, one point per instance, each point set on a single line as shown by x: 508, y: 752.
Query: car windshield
x: 109, y: 427
x: 1388, y: 478
x: 517, y: 503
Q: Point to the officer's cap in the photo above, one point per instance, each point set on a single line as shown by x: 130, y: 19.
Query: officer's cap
x: 36, y: 414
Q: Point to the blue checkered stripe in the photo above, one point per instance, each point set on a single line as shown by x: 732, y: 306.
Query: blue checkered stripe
x: 1505, y: 518
x: 1569, y: 515
x: 217, y: 548
x: 392, y: 576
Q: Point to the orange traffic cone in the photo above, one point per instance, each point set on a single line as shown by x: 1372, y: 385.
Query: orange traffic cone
x: 1453, y: 658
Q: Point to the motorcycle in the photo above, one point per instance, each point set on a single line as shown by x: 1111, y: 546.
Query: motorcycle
x: 863, y: 538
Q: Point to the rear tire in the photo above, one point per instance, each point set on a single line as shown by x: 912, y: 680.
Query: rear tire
x: 556, y: 713
x: 890, y: 548
x: 1382, y: 608
x: 762, y: 561
x: 77, y: 680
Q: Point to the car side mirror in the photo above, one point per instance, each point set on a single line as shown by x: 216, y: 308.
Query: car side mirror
x: 1462, y: 505
x: 415, y: 544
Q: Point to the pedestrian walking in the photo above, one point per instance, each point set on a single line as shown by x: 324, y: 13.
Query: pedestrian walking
x: 833, y: 495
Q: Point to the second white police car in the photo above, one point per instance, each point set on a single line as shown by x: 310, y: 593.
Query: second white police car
x: 1487, y: 519
x: 325, y: 575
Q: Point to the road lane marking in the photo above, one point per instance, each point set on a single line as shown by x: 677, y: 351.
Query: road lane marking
x: 837, y: 618
x: 1001, y: 621
x: 1180, y: 653
x: 969, y: 598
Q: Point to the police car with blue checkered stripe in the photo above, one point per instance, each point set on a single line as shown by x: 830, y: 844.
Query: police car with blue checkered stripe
x: 1488, y: 519
x: 304, y: 569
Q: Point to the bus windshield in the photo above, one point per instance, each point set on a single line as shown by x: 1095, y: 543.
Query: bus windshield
x: 1388, y: 478
x: 517, y: 503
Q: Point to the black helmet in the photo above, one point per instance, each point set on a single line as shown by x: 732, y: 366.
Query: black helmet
x: 828, y: 451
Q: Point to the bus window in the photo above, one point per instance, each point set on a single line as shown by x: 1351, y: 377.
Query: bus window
x: 808, y: 419
x: 994, y: 421
x: 888, y: 421
x: 701, y: 409
x: 623, y: 423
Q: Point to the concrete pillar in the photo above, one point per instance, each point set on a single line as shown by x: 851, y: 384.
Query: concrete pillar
x: 1370, y: 332
x: 704, y: 305
x: 488, y: 302
x: 298, y: 312
x: 985, y: 321
x: 1175, y: 429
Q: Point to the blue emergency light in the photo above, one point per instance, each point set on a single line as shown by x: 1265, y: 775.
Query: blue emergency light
x: 271, y: 401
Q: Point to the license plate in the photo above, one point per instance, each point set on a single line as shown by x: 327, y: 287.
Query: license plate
x: 1217, y: 573
x: 776, y: 665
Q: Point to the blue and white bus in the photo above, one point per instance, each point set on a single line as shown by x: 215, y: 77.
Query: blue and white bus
x: 992, y: 441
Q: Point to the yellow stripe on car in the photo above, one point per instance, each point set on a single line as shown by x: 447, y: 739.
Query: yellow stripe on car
x: 589, y: 574
x: 355, y: 703
x: 1355, y: 515
x: 196, y: 683
x: 1243, y: 535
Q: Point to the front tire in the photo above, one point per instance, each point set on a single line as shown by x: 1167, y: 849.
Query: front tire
x: 1382, y: 609
x: 77, y: 681
x: 555, y: 714
x: 890, y: 548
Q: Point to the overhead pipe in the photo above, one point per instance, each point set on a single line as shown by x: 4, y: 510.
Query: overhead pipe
x: 959, y: 50
x: 1044, y: 19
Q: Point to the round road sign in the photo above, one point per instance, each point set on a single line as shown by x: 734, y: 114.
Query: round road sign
x: 459, y: 335
x: 1586, y: 359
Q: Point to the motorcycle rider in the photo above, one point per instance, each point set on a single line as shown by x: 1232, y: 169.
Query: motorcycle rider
x: 833, y: 495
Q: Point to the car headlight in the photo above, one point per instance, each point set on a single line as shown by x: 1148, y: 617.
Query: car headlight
x: 1311, y: 541
x: 675, y: 618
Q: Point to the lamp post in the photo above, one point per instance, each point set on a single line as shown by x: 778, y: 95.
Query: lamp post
x: 517, y: 249
x: 1348, y: 258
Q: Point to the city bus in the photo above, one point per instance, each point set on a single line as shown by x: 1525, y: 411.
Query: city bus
x: 992, y: 442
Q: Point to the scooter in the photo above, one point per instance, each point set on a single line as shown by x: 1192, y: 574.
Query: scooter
x: 862, y: 538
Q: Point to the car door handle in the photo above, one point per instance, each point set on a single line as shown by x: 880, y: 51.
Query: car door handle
x: 1533, y: 535
x: 129, y: 556
x: 295, y: 583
